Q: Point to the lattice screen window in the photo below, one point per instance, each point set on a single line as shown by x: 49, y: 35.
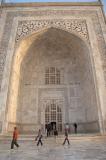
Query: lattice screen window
x: 52, y: 76
x: 53, y: 113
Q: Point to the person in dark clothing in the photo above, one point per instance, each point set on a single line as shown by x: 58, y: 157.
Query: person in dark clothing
x: 55, y: 135
x: 39, y: 138
x: 48, y: 130
x: 66, y: 138
x: 55, y: 132
x: 75, y: 127
x: 14, y: 139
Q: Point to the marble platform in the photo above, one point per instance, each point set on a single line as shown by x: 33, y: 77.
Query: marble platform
x: 81, y: 148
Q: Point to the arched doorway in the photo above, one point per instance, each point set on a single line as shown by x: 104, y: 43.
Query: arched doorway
x: 54, y: 61
x: 53, y: 116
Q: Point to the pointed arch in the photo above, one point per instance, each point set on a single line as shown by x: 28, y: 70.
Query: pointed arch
x: 19, y: 56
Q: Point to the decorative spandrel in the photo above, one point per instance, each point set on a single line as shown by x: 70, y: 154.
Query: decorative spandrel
x: 75, y: 26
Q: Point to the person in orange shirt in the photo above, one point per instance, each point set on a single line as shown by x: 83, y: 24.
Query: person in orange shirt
x: 14, y: 139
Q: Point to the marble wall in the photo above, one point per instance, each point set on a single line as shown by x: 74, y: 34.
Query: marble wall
x: 70, y: 55
x: 72, y: 39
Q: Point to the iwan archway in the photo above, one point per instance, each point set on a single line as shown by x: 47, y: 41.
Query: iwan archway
x: 52, y: 65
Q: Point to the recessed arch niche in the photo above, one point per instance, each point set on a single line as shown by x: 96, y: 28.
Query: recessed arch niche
x: 68, y: 53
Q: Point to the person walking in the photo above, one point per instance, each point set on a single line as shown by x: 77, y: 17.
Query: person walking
x: 66, y: 138
x: 14, y: 138
x: 39, y: 138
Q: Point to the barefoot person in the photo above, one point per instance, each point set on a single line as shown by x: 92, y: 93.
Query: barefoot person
x: 14, y: 139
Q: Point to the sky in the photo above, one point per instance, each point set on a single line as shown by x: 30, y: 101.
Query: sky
x: 103, y: 1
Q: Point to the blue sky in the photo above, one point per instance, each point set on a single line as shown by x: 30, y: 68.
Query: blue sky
x: 104, y: 1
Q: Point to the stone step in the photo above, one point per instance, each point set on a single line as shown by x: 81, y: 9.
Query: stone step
x: 71, y: 136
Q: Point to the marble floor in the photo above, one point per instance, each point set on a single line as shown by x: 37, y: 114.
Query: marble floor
x: 82, y: 148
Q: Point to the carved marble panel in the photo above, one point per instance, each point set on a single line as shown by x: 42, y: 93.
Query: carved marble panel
x: 30, y: 26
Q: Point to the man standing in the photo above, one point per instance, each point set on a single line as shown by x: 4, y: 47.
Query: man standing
x: 67, y: 127
x: 75, y: 127
x: 14, y: 139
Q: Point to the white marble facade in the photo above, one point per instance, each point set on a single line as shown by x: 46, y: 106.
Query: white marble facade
x: 52, y: 56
